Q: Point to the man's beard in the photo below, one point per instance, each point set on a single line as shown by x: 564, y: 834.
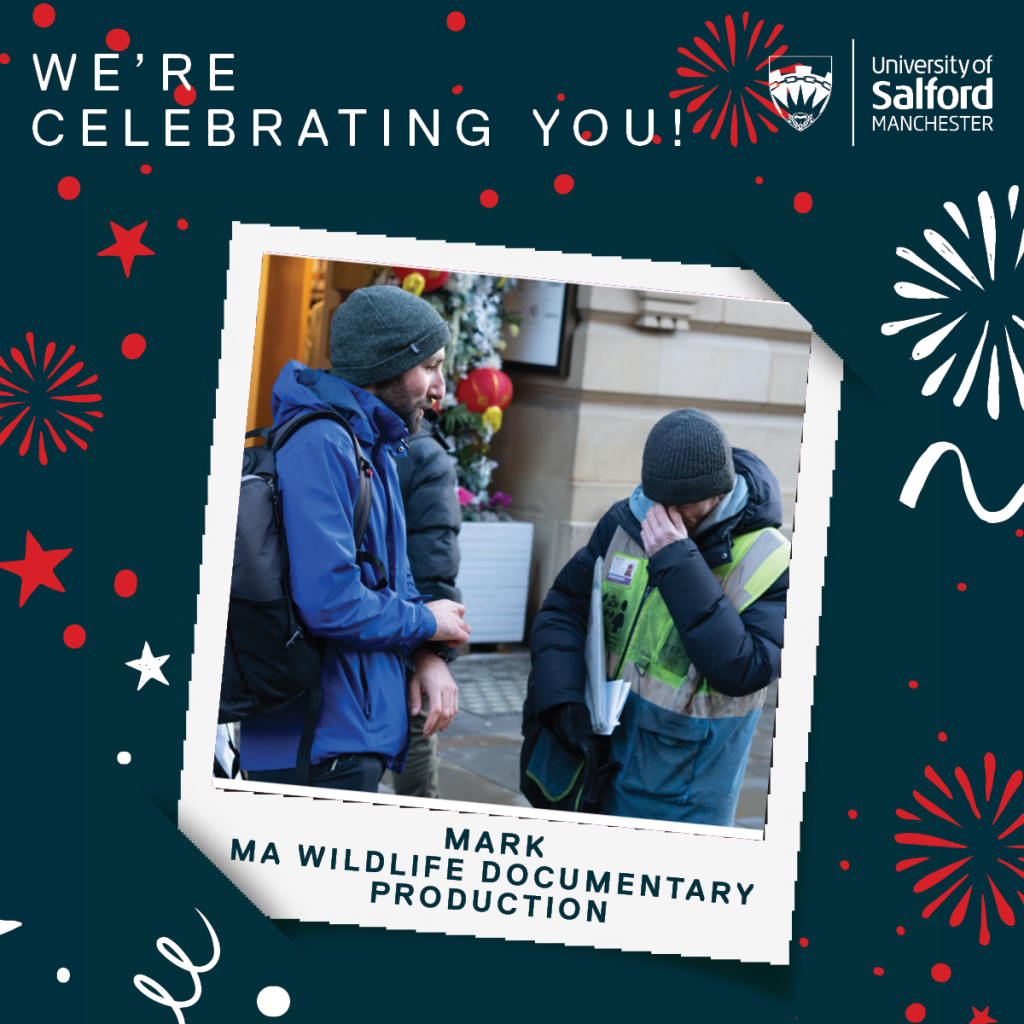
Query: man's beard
x: 406, y: 408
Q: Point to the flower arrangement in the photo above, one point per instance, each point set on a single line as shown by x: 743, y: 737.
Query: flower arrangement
x: 484, y: 508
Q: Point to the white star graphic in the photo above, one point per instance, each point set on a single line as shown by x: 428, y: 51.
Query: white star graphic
x: 149, y: 666
x: 8, y: 926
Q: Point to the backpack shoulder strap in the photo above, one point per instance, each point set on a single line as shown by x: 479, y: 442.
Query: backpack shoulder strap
x: 364, y: 494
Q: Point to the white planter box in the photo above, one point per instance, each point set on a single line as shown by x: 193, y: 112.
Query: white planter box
x: 494, y: 576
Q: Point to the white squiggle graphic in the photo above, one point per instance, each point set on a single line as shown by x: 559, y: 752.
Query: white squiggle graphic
x: 170, y: 950
x: 924, y: 465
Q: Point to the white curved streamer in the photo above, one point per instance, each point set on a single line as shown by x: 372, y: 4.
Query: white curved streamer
x: 170, y: 950
x: 924, y: 465
x: 1013, y: 200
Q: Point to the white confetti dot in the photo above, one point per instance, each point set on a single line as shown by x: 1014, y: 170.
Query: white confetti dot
x: 273, y: 1001
x: 63, y: 975
x: 124, y: 757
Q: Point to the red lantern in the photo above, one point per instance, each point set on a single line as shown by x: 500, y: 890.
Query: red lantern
x: 434, y: 278
x: 483, y: 388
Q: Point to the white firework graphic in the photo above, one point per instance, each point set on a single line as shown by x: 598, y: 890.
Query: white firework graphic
x: 980, y: 318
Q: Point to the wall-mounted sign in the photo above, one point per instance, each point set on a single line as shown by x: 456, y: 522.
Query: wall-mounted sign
x: 540, y: 344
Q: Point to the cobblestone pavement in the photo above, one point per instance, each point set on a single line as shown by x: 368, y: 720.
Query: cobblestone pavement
x: 480, y: 750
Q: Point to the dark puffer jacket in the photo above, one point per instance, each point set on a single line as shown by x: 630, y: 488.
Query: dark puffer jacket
x: 738, y: 654
x: 427, y: 481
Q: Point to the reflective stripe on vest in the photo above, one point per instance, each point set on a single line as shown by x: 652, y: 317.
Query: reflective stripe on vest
x: 642, y: 642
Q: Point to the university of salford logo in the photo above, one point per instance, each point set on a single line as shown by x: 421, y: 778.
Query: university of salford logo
x: 800, y: 88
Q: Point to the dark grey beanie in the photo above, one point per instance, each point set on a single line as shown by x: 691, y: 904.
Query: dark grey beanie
x: 381, y: 332
x: 687, y: 459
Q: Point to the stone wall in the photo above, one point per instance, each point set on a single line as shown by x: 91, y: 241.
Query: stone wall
x: 570, y: 447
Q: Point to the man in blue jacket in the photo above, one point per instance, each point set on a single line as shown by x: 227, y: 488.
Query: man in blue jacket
x: 693, y: 589
x: 383, y: 645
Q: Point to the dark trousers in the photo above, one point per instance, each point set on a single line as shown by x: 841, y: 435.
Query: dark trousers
x: 359, y: 772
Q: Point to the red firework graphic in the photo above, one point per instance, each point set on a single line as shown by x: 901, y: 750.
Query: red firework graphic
x: 979, y: 847
x: 730, y: 72
x: 32, y: 391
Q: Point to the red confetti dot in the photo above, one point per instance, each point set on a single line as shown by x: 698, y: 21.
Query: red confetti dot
x: 43, y: 15
x: 74, y: 636
x: 915, y: 1013
x: 900, y: 930
x: 564, y: 184
x: 561, y: 97
x: 118, y: 39
x: 803, y: 942
x: 912, y: 684
x: 133, y: 346
x: 456, y: 21
x: 586, y: 135
x: 145, y: 168
x: 943, y: 737
x: 802, y: 202
x: 940, y: 972
x: 456, y: 89
x: 961, y: 587
x: 489, y: 198
x: 657, y: 140
x: 845, y: 865
x: 1020, y: 533
x: 182, y: 224
x: 759, y: 180
x: 68, y: 188
x: 879, y: 971
x: 184, y: 97
x: 852, y: 814
x: 5, y: 58
x: 125, y: 583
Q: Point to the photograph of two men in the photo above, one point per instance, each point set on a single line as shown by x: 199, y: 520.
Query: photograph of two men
x: 516, y: 542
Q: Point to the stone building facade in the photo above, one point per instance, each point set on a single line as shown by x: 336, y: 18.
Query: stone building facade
x: 571, y: 446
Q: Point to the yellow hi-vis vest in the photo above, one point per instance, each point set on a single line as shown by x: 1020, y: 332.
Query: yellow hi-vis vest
x: 642, y: 642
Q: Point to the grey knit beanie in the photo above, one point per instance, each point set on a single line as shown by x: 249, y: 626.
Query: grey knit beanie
x: 687, y: 459
x: 380, y: 332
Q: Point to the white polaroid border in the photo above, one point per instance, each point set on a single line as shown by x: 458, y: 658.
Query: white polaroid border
x: 427, y: 852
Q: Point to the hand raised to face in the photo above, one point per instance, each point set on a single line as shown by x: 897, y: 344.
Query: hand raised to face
x: 661, y: 526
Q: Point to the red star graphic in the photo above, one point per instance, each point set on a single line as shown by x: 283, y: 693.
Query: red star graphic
x: 128, y: 245
x: 36, y: 568
x: 982, y: 1017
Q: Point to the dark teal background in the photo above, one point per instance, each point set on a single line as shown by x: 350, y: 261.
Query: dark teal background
x: 91, y: 860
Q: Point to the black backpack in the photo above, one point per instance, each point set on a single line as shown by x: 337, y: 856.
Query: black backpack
x: 269, y: 660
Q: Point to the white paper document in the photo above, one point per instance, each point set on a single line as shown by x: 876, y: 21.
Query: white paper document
x: 605, y: 697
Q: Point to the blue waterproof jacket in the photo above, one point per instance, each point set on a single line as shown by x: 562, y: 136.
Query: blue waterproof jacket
x: 368, y: 632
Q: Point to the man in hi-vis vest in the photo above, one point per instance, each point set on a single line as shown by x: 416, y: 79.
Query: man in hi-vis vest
x: 694, y: 600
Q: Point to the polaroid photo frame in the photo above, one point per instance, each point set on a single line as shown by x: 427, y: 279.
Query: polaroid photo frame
x: 378, y: 860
